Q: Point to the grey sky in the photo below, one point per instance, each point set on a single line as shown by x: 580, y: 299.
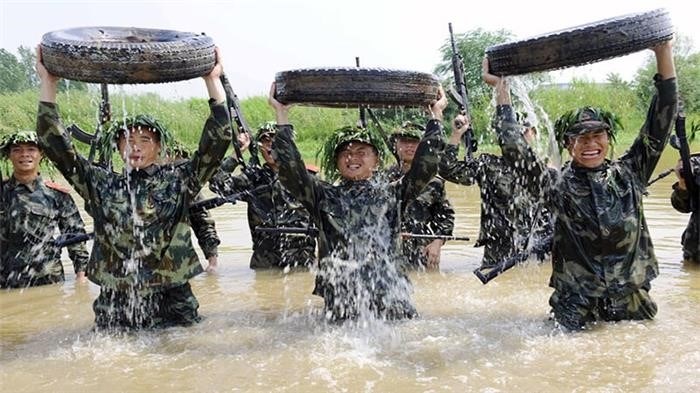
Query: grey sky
x: 260, y: 37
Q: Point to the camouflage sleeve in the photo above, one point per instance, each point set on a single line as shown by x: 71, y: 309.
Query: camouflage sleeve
x: 214, y: 142
x: 680, y: 199
x: 57, y: 146
x: 70, y: 222
x: 224, y: 182
x: 205, y: 230
x: 292, y: 170
x: 442, y: 213
x: 455, y: 171
x: 425, y: 162
x: 646, y: 150
x: 518, y: 154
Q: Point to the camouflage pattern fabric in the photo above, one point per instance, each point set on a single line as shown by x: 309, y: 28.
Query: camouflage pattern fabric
x: 32, y: 214
x: 274, y: 208
x: 156, y: 308
x: 142, y: 231
x: 509, y: 210
x: 680, y: 199
x: 602, y: 247
x: 360, y: 269
x: 430, y: 213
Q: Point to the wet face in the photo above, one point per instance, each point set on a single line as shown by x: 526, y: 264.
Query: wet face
x: 357, y: 161
x: 590, y: 149
x: 25, y: 158
x: 530, y: 134
x: 266, y: 149
x: 406, y: 148
x: 141, y: 149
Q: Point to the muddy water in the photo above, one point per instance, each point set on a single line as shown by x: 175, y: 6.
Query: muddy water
x: 263, y: 332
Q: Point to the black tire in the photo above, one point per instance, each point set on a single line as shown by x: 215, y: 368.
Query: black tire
x: 342, y: 87
x: 121, y: 55
x: 583, y: 44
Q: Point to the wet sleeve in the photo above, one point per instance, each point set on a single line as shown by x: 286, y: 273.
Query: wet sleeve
x: 70, y: 222
x: 204, y: 229
x: 225, y: 183
x: 292, y: 170
x: 455, y: 171
x: 214, y: 142
x: 57, y: 146
x: 426, y: 161
x: 646, y: 150
x: 680, y: 199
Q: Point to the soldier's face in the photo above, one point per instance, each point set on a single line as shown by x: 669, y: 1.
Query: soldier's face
x: 590, y: 149
x: 406, y: 148
x: 266, y: 150
x: 140, y: 149
x: 357, y: 161
x: 25, y: 158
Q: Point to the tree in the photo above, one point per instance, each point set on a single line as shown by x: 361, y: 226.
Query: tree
x: 12, y: 76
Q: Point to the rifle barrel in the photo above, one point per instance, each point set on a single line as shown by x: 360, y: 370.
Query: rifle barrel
x: 311, y: 231
x: 429, y: 236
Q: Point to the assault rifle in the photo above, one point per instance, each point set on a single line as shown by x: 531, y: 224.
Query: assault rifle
x: 434, y: 237
x: 660, y: 176
x: 236, y: 115
x: 233, y: 198
x: 94, y: 139
x: 461, y: 96
x: 310, y: 231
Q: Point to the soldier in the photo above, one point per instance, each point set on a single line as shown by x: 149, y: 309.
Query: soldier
x: 513, y: 221
x: 201, y: 220
x: 33, y: 210
x: 359, y: 271
x: 430, y: 213
x: 680, y: 199
x: 272, y: 208
x: 143, y: 255
x: 603, y: 259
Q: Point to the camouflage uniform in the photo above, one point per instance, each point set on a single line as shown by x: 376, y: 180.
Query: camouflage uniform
x: 603, y: 258
x: 429, y: 213
x: 359, y: 264
x: 273, y: 208
x: 31, y: 215
x: 680, y: 199
x: 508, y: 208
x: 143, y: 255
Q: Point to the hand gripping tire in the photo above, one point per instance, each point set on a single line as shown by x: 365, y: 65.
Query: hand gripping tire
x: 125, y: 55
x: 583, y: 44
x: 342, y: 87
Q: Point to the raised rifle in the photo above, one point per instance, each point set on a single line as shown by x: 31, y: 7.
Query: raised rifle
x: 363, y: 115
x: 236, y: 115
x: 94, y: 139
x: 461, y: 96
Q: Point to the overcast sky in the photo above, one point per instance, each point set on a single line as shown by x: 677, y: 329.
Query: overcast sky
x: 261, y: 37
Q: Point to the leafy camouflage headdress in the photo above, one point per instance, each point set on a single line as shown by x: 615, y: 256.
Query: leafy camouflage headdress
x: 326, y: 156
x: 407, y: 129
x: 267, y: 128
x: 583, y: 120
x: 17, y: 138
x: 108, y: 142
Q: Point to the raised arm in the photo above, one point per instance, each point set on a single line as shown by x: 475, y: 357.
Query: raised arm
x: 450, y: 167
x: 292, y: 170
x: 646, y: 150
x: 217, y: 133
x: 428, y: 153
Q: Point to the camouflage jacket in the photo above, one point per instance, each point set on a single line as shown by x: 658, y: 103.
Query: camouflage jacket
x: 31, y: 216
x: 429, y: 213
x: 142, y: 230
x: 357, y: 220
x: 602, y: 245
x: 680, y: 199
x: 509, y: 210
x: 270, y: 209
x: 203, y: 226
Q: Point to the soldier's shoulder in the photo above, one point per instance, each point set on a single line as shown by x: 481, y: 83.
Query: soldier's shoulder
x: 55, y: 186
